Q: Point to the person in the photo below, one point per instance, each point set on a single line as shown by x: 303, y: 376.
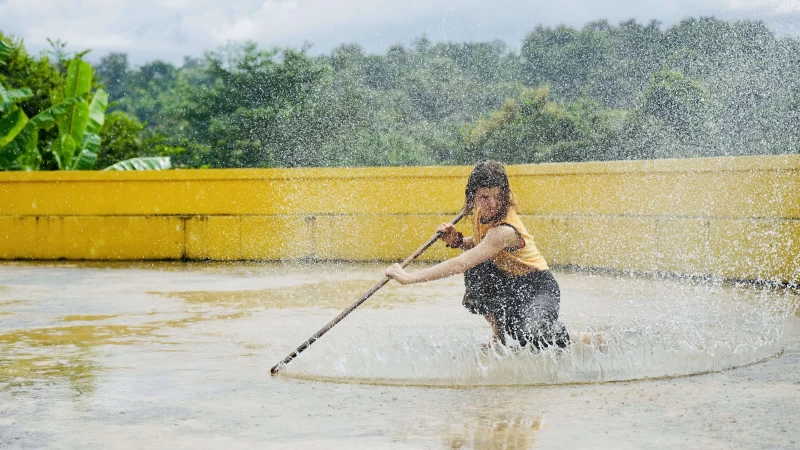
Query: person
x: 506, y: 279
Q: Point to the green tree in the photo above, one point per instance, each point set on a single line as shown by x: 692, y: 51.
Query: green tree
x: 21, y: 70
x: 242, y: 106
x: 113, y: 70
x: 523, y: 130
x: 238, y: 116
x: 124, y: 137
x: 671, y: 120
x: 566, y: 58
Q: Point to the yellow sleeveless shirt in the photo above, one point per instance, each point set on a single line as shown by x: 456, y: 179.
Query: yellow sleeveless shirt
x: 512, y: 262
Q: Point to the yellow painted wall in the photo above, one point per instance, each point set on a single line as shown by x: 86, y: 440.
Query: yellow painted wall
x: 729, y: 217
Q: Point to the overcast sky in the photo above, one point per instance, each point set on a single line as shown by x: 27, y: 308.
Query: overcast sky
x: 169, y: 29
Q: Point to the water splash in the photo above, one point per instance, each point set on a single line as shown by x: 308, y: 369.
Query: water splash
x: 715, y: 329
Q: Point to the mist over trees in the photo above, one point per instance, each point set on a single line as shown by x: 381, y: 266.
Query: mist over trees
x: 703, y: 87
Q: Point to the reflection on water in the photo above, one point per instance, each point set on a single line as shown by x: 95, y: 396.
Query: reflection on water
x: 329, y: 294
x: 87, y: 318
x: 80, y: 336
x: 65, y: 352
x: 504, y: 431
x: 67, y: 347
x: 623, y: 328
x: 43, y: 340
x: 19, y: 372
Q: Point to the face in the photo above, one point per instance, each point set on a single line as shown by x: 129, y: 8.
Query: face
x: 488, y: 201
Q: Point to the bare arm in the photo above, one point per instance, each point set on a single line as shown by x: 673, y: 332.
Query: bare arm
x: 496, y: 240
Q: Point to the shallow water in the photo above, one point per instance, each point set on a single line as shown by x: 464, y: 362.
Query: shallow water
x: 172, y: 354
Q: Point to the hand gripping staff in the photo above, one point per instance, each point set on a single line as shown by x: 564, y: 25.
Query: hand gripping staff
x: 361, y: 300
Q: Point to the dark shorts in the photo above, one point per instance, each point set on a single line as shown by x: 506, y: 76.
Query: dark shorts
x: 525, y: 307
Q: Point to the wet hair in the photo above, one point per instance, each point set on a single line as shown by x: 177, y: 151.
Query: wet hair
x: 489, y: 174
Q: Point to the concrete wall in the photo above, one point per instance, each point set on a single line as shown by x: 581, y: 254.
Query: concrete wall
x: 729, y: 217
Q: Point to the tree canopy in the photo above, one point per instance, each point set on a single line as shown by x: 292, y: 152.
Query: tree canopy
x: 703, y: 87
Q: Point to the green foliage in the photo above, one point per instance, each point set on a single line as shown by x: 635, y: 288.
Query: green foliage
x: 67, y: 118
x: 113, y: 70
x: 11, y: 125
x: 120, y: 139
x: 535, y: 129
x: 79, y: 122
x: 14, y: 119
x: 20, y: 70
x: 701, y: 87
x: 5, y: 51
x: 124, y: 137
x: 22, y: 152
x: 76, y: 143
x: 9, y: 98
x: 78, y: 140
x: 671, y: 120
x: 566, y: 58
x: 680, y: 102
x: 241, y: 111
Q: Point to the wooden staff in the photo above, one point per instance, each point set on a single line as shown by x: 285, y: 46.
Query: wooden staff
x: 361, y: 300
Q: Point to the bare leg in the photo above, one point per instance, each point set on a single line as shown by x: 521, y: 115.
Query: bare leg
x: 599, y: 339
x: 498, y: 334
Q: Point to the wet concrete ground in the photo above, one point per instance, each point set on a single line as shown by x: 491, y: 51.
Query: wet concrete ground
x: 178, y: 355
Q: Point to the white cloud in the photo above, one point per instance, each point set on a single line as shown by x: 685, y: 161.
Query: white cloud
x: 277, y: 19
x: 784, y: 7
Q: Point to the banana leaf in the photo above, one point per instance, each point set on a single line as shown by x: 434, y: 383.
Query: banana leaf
x: 79, y: 78
x: 88, y: 154
x: 63, y: 149
x: 25, y: 143
x: 75, y: 121
x: 49, y: 117
x: 97, y: 112
x: 90, y: 142
x: 9, y: 97
x: 11, y: 125
x: 73, y: 125
x: 145, y: 163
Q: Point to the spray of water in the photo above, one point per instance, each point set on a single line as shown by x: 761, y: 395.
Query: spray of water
x: 691, y: 330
